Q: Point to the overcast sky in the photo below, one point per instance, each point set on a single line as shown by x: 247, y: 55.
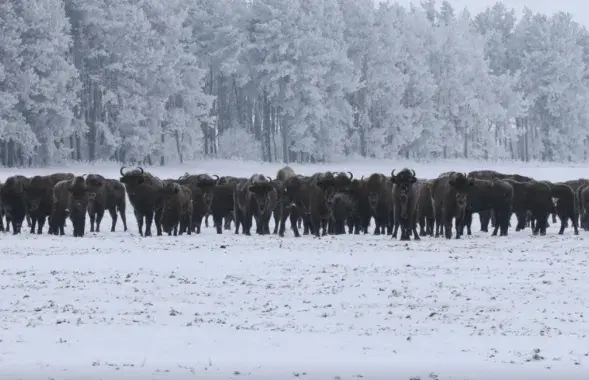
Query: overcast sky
x: 578, y: 8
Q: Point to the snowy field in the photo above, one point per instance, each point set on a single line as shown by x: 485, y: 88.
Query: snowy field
x: 345, y: 307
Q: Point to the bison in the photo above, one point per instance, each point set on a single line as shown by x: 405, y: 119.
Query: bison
x: 70, y: 199
x: 222, y: 205
x: 39, y: 193
x: 144, y: 192
x: 105, y: 194
x: 405, y: 203
x: 566, y: 208
x: 176, y: 216
x: 379, y: 192
x: 295, y: 203
x: 426, y: 217
x: 14, y: 201
x: 263, y: 202
x: 531, y: 197
x: 242, y: 206
x: 341, y: 208
x: 493, y: 195
x: 448, y: 203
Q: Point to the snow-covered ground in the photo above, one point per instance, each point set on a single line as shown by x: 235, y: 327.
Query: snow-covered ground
x: 345, y: 307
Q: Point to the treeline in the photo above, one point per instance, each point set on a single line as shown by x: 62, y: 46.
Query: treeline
x: 161, y: 81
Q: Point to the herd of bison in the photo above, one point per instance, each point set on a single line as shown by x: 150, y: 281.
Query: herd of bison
x: 323, y: 203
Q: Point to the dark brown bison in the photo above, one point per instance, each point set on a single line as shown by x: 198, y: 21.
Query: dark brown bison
x: 282, y: 204
x: 566, y: 208
x: 493, y: 195
x: 14, y: 201
x: 222, y: 205
x: 176, y: 214
x: 379, y: 191
x: 263, y: 201
x: 202, y: 187
x: 488, y: 216
x: 144, y: 194
x: 405, y: 203
x: 105, y: 194
x: 295, y: 201
x: 531, y: 197
x: 321, y: 187
x: 242, y: 206
x: 341, y: 208
x: 426, y: 217
x: 39, y: 194
x: 448, y: 203
x: 70, y: 199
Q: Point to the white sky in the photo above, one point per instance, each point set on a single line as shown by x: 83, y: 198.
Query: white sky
x: 578, y: 8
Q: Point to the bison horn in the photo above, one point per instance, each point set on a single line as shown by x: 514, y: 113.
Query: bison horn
x: 361, y: 178
x: 122, y: 168
x: 413, y: 171
x: 140, y: 169
x: 393, y: 173
x: 83, y: 175
x: 269, y: 179
x: 216, y: 179
x: 351, y: 175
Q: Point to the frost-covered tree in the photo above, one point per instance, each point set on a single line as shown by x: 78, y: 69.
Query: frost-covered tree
x: 153, y: 81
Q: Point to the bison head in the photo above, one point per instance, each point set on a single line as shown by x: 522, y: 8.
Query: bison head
x: 342, y: 180
x: 207, y: 184
x: 133, y: 177
x: 261, y: 191
x: 404, y: 175
x: 461, y: 182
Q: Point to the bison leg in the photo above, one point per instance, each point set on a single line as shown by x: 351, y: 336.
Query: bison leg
x: 157, y: 221
x: 33, y: 223
x: 376, y: 226
x: 139, y: 218
x: 237, y: 212
x: 228, y: 219
x: 396, y: 229
x: 277, y: 215
x: 281, y: 223
x: 484, y: 218
x: 122, y: 211
x: 40, y: 224
x: 247, y: 222
x: 197, y: 223
x: 92, y: 216
x: 99, y: 216
x: 1, y: 222
x: 148, y: 222
x: 189, y: 223
x: 206, y: 220
x: 113, y: 216
x: 218, y: 222
x: 414, y: 228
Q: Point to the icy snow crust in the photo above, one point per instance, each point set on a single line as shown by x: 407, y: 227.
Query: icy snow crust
x: 346, y: 307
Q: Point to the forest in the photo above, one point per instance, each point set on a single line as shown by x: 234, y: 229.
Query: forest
x: 157, y: 82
